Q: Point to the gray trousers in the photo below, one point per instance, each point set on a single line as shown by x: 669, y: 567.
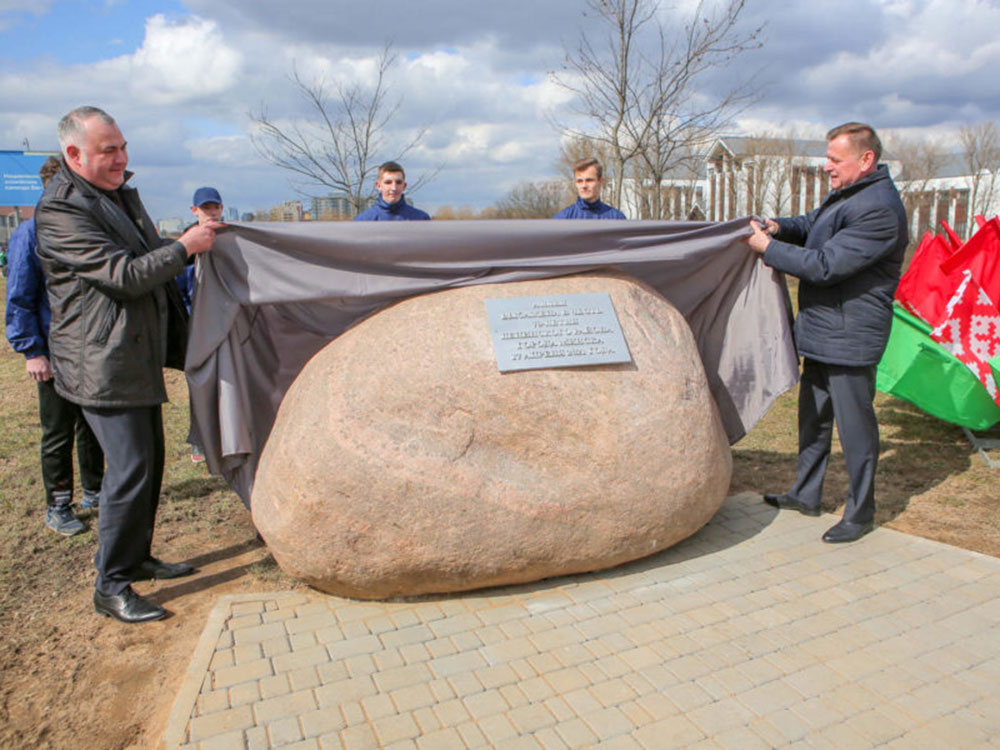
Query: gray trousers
x: 132, y: 440
x: 842, y: 394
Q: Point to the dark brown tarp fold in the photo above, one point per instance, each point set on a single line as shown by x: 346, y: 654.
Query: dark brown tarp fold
x: 271, y: 295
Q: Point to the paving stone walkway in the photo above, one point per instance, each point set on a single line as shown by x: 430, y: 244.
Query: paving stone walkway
x: 750, y: 634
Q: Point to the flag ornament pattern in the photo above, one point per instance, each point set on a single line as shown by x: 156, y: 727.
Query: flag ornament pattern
x: 971, y: 331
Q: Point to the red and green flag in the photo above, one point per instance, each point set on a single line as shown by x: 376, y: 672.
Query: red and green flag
x: 944, y: 349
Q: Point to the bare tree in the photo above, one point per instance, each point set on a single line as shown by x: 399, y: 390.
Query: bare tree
x: 346, y: 139
x: 675, y: 196
x: 534, y: 200
x: 637, y: 86
x: 459, y: 213
x: 981, y: 150
x: 576, y: 147
x: 921, y: 161
x: 771, y: 159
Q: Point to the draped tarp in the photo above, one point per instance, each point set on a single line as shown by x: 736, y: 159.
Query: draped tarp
x: 271, y: 295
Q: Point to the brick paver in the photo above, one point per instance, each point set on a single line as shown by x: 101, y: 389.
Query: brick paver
x: 752, y: 633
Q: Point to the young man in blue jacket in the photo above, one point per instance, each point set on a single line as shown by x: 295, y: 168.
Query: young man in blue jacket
x: 588, y: 176
x: 28, y: 319
x: 847, y: 254
x: 391, y: 205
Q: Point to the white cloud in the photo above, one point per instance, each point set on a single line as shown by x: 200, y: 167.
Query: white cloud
x: 925, y: 60
x: 229, y: 150
x: 179, y: 62
x: 478, y: 82
x: 9, y: 7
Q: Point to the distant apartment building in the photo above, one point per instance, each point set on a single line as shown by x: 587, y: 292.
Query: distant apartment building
x: 332, y: 208
x: 287, y: 211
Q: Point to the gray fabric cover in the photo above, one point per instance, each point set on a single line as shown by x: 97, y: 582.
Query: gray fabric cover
x: 271, y: 295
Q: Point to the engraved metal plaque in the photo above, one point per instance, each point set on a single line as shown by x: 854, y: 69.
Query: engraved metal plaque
x: 566, y: 330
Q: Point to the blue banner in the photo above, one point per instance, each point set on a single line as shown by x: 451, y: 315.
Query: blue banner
x: 20, y: 184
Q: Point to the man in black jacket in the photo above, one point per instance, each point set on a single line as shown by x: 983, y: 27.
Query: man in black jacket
x: 847, y: 254
x: 117, y: 320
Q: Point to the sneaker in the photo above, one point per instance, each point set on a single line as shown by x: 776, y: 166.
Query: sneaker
x: 61, y: 520
x: 91, y: 500
x: 197, y: 454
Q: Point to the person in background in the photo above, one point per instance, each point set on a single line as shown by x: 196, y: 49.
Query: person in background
x: 391, y: 205
x: 28, y: 331
x: 206, y: 205
x: 588, y: 177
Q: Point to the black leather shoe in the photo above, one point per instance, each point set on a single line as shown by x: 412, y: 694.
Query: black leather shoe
x: 153, y: 568
x: 784, y: 502
x: 845, y: 531
x: 128, y: 606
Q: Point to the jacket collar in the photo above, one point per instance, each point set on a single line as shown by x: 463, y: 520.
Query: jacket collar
x: 881, y: 173
x: 104, y: 206
x: 595, y: 206
x: 393, y: 208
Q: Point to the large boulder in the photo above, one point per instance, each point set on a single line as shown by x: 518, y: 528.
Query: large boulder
x: 403, y: 462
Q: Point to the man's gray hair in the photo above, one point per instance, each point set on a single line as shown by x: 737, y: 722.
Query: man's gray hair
x: 71, y: 126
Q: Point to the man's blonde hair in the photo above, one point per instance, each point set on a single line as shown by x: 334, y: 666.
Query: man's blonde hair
x: 582, y: 164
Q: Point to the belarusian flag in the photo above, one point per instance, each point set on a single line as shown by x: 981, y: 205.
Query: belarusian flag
x: 944, y: 347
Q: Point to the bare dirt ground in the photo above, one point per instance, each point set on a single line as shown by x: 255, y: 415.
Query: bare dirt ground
x: 72, y: 679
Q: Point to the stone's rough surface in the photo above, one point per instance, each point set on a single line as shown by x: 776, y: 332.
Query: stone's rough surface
x: 402, y: 462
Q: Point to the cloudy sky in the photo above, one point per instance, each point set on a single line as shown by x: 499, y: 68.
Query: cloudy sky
x: 182, y: 76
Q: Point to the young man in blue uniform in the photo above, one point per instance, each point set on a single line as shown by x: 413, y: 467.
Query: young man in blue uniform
x: 391, y: 205
x: 588, y: 176
x: 28, y: 318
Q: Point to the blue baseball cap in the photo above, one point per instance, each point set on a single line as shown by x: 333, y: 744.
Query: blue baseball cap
x: 205, y: 195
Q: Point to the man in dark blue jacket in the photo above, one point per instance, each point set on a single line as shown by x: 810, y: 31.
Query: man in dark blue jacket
x: 28, y: 318
x: 391, y: 205
x: 588, y: 176
x: 847, y: 254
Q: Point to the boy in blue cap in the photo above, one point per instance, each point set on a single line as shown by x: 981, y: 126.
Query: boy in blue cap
x: 206, y: 206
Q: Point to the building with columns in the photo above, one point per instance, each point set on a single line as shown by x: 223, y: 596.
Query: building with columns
x: 746, y: 176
